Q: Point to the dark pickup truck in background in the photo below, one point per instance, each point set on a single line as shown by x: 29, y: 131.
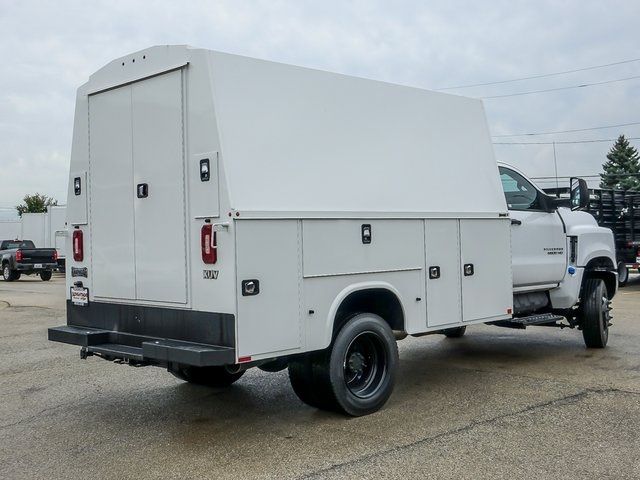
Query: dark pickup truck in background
x: 22, y: 257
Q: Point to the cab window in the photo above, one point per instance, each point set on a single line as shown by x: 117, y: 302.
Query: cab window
x: 518, y: 191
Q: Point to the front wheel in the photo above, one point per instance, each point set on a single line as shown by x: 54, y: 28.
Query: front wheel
x: 209, y: 376
x: 623, y: 274
x: 595, y: 313
x: 355, y: 375
x: 45, y: 275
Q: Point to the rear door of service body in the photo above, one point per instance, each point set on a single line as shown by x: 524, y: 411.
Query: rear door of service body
x: 137, y: 191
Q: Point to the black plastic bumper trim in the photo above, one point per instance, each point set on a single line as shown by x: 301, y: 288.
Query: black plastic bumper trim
x: 161, y: 334
x: 209, y: 328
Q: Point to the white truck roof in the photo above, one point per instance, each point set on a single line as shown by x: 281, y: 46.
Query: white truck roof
x: 301, y: 141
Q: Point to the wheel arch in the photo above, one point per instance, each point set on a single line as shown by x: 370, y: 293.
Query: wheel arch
x: 604, y: 268
x: 380, y: 298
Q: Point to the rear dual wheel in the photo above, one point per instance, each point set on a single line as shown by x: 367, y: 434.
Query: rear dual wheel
x: 45, y: 275
x: 209, y: 376
x: 456, y: 332
x: 355, y: 375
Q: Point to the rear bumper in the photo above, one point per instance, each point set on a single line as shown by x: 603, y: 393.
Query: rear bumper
x: 29, y: 267
x: 149, y: 335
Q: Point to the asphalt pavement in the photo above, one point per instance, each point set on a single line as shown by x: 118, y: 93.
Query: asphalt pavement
x: 497, y: 403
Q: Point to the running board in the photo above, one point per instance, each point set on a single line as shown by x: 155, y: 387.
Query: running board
x: 524, y: 322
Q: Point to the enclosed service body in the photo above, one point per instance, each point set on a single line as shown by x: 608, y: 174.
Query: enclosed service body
x: 228, y: 211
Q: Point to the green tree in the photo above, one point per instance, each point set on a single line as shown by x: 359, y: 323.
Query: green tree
x: 622, y: 168
x: 36, y: 203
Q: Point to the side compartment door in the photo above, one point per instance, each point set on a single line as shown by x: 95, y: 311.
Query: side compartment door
x: 443, y: 272
x: 486, y: 269
x: 269, y: 253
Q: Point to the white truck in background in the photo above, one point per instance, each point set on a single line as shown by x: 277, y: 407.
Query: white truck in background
x: 10, y: 229
x: 227, y: 213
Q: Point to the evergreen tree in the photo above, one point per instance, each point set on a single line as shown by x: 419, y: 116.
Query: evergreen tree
x: 622, y: 168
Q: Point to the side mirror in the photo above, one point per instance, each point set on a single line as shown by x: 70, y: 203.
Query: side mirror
x: 579, y: 194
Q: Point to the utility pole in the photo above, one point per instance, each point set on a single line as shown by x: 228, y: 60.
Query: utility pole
x: 555, y: 164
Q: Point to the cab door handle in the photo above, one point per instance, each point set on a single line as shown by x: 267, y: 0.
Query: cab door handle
x: 515, y: 221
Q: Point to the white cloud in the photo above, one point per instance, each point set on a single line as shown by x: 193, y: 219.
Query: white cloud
x: 49, y: 48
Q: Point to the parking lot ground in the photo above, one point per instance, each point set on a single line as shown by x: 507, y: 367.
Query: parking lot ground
x: 497, y: 403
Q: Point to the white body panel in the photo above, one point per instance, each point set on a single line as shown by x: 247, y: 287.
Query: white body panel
x: 272, y: 254
x: 112, y: 225
x: 486, y: 293
x: 136, y: 138
x: 10, y: 230
x: 538, y: 246
x: 443, y: 293
x: 57, y: 226
x: 159, y: 162
x: 380, y: 147
x: 334, y: 247
x: 34, y: 228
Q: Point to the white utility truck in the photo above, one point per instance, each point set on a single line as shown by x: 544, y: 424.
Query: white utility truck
x: 226, y: 213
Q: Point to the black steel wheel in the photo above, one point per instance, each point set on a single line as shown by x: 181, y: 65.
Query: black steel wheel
x: 595, y: 316
x: 209, y: 376
x: 355, y: 375
x: 623, y: 274
x: 456, y: 332
x: 365, y: 365
x: 45, y: 275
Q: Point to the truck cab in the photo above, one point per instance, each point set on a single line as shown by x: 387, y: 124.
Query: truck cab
x: 555, y: 247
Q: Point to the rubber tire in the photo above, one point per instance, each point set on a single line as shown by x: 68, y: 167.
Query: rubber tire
x: 302, y: 378
x: 209, y: 376
x: 623, y: 278
x: 45, y: 275
x: 9, y: 275
x: 591, y: 314
x: 456, y: 332
x: 318, y: 378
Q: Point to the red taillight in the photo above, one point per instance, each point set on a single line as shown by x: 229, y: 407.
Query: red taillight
x: 18, y: 255
x: 78, y: 246
x: 55, y: 255
x: 208, y: 244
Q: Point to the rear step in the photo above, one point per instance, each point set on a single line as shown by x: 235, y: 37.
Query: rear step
x: 150, y: 350
x: 524, y: 322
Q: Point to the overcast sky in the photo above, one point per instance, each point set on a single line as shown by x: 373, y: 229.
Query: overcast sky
x: 49, y: 48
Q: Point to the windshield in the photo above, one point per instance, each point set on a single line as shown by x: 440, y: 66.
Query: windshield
x: 9, y: 244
